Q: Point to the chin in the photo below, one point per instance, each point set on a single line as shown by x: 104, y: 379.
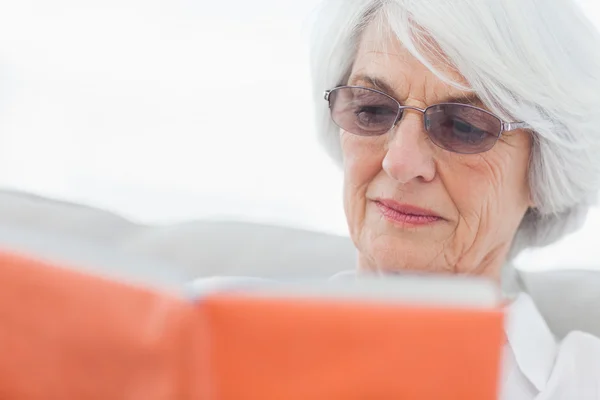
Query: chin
x: 391, y: 255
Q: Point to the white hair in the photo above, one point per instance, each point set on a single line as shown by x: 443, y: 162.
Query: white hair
x: 536, y: 61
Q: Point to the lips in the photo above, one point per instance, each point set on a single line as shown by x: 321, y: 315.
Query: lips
x: 405, y: 213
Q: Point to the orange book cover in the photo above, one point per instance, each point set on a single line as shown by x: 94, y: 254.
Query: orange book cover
x: 69, y: 335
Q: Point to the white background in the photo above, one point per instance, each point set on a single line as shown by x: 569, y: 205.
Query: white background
x: 165, y: 110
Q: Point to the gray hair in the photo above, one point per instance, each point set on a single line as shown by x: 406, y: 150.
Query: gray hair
x: 536, y: 61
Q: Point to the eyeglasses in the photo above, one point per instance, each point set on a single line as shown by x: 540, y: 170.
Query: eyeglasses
x: 460, y: 128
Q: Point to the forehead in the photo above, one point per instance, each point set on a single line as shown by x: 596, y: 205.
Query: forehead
x: 383, y: 57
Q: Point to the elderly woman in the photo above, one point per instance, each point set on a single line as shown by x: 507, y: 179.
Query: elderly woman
x: 467, y: 131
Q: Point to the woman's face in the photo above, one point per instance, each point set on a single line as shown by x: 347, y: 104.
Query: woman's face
x: 475, y: 201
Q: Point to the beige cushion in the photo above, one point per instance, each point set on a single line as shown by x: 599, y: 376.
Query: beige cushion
x: 103, y: 242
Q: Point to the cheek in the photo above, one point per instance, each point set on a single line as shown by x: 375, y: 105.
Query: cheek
x: 490, y: 187
x: 362, y: 155
x: 362, y: 158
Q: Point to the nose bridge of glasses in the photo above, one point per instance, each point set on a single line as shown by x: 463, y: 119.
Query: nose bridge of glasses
x: 401, y: 112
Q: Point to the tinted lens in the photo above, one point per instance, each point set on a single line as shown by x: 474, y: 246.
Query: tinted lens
x: 362, y: 111
x: 462, y: 128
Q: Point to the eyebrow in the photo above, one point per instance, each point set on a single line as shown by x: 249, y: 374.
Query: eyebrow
x: 380, y: 84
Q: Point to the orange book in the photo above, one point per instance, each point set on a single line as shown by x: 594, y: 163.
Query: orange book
x: 72, y: 335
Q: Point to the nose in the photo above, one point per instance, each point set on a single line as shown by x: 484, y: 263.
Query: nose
x: 409, y: 154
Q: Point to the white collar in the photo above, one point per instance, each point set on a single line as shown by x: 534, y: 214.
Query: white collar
x: 533, y: 344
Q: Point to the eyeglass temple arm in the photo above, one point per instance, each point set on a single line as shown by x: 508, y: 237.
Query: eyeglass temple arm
x: 326, y: 95
x: 511, y: 126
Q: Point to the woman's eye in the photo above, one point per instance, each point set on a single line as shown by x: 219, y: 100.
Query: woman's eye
x: 461, y: 126
x: 466, y: 132
x: 369, y: 115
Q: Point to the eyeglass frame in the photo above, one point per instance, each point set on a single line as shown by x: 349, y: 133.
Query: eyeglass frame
x: 504, y: 125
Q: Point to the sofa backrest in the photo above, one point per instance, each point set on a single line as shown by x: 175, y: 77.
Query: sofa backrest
x: 194, y: 249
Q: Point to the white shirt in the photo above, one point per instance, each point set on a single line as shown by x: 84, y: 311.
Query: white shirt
x: 536, y: 366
